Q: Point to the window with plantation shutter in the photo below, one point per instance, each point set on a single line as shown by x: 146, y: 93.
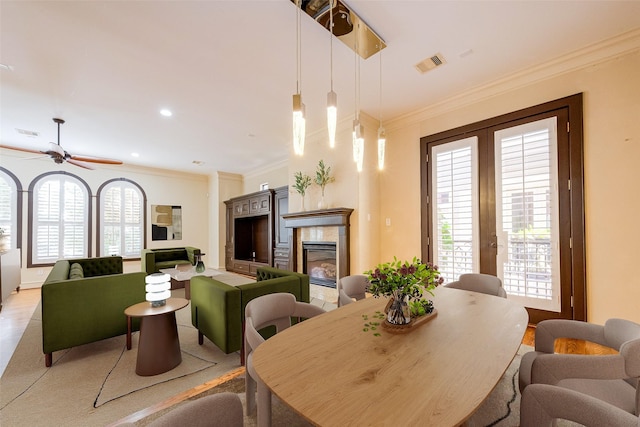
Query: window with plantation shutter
x: 455, y: 225
x: 60, y: 208
x: 121, y: 219
x: 528, y: 257
x: 9, y: 208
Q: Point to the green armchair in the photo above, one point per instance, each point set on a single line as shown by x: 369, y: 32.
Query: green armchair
x: 217, y: 309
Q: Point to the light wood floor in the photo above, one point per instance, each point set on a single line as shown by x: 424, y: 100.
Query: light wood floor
x: 19, y: 307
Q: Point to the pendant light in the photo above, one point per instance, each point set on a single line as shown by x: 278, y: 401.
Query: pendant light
x: 299, y: 124
x: 382, y: 136
x: 358, y: 130
x: 332, y: 98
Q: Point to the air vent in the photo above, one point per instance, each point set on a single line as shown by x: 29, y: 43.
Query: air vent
x: 28, y: 133
x: 430, y: 63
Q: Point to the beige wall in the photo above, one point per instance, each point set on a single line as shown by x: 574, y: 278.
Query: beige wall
x: 351, y: 189
x: 191, y: 191
x: 611, y: 158
x: 275, y: 176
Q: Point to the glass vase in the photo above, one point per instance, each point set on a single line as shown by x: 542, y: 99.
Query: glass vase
x: 199, y: 264
x: 399, y: 312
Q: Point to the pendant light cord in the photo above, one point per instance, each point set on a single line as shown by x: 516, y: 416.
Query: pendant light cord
x: 331, y: 40
x: 380, y: 93
x: 357, y: 77
x: 298, y: 49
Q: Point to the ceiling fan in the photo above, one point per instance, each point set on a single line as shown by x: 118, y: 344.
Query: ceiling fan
x: 59, y: 155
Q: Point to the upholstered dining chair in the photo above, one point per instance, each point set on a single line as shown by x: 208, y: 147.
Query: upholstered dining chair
x: 350, y: 287
x: 478, y: 282
x: 268, y: 310
x: 215, y: 410
x: 542, y: 404
x: 611, y: 379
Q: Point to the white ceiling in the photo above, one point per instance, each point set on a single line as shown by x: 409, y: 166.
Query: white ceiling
x: 227, y: 69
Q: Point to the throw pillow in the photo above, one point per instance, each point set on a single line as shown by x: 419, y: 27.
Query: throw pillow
x: 76, y: 271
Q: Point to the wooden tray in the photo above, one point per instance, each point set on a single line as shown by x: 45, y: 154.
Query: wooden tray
x: 415, y: 322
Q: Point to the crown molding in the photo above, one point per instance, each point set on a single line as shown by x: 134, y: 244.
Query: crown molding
x: 283, y: 163
x: 589, y: 56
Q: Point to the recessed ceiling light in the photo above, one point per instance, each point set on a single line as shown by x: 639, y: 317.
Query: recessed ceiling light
x: 135, y: 155
x: 6, y: 67
x: 198, y: 162
x: 165, y: 112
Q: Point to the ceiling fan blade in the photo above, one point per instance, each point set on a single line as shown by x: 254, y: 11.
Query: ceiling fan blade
x: 96, y: 160
x: 26, y: 150
x: 82, y: 165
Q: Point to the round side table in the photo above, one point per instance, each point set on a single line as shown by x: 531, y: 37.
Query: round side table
x: 158, y: 346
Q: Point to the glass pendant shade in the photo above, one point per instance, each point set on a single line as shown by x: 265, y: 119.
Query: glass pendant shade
x: 357, y: 134
x: 358, y: 144
x: 360, y: 154
x: 382, y: 140
x: 298, y: 125
x: 332, y: 117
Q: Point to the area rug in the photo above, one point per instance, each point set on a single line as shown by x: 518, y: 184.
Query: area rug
x: 500, y: 409
x: 95, y: 384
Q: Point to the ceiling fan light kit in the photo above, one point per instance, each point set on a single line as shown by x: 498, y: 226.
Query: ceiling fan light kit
x: 59, y: 155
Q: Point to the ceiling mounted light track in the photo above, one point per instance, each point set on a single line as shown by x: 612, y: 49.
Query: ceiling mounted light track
x: 347, y: 25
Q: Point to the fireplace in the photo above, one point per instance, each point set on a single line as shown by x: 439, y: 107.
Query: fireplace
x: 325, y: 226
x: 320, y: 263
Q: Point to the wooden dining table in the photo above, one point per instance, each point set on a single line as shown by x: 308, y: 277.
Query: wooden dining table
x: 334, y: 370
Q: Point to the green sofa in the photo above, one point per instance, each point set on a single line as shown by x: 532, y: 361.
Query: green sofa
x: 155, y: 259
x: 83, y: 300
x: 217, y: 309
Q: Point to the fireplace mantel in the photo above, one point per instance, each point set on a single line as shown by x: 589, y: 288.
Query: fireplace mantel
x: 337, y: 217
x: 319, y: 218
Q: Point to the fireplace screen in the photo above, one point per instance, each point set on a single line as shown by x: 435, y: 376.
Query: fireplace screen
x: 320, y: 263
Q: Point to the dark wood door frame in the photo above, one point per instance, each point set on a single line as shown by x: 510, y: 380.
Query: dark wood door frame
x: 573, y: 258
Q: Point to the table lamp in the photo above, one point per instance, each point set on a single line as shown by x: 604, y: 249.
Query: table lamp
x: 158, y: 289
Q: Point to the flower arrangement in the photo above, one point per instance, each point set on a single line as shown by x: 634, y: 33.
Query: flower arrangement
x: 406, y: 281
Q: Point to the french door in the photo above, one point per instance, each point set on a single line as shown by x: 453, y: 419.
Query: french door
x: 498, y: 200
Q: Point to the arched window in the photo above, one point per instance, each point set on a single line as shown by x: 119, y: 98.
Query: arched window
x: 60, y: 215
x: 121, y: 223
x: 10, y: 209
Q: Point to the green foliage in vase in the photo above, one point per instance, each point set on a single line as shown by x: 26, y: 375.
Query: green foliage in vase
x: 303, y: 181
x: 323, y: 175
x: 400, y: 279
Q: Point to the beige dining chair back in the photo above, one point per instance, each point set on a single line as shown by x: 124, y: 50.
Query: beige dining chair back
x: 478, y: 282
x: 611, y: 379
x: 268, y: 310
x: 215, y: 410
x: 352, y: 287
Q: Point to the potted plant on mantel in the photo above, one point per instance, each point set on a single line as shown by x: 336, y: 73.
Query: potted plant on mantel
x: 302, y: 182
x: 323, y: 177
x: 405, y: 283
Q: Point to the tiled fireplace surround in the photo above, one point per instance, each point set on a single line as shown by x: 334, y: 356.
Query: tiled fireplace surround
x: 325, y: 225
